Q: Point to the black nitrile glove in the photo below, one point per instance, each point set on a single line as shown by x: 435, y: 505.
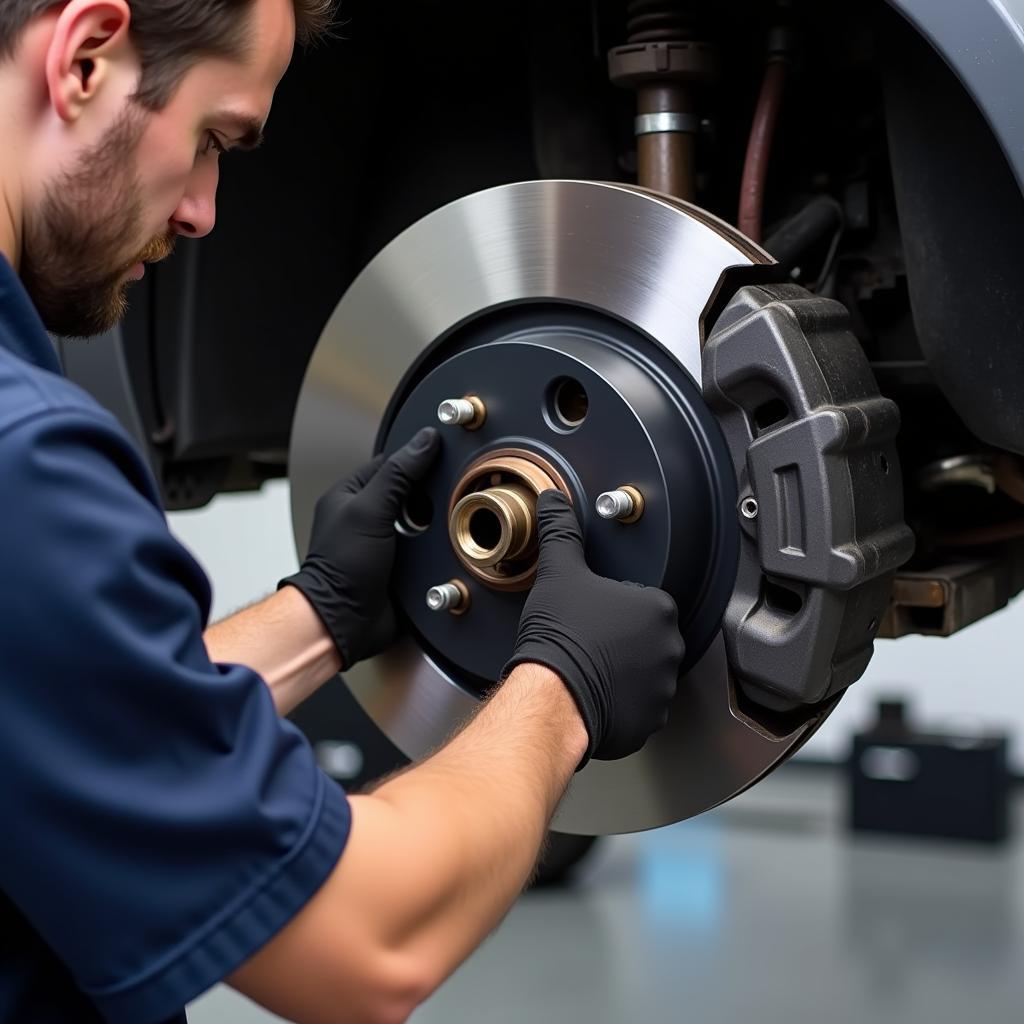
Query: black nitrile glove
x: 616, y: 646
x: 347, y: 573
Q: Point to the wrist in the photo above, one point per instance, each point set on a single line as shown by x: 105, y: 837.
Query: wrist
x: 535, y: 678
x: 306, y: 622
x: 283, y: 640
x: 308, y: 592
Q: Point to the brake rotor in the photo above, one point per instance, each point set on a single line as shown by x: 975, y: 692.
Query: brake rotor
x: 573, y: 314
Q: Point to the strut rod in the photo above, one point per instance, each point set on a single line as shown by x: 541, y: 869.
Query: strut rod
x: 664, y: 64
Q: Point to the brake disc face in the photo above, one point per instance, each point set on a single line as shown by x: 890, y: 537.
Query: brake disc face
x: 573, y: 314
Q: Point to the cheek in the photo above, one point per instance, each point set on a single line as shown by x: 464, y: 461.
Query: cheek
x: 164, y: 169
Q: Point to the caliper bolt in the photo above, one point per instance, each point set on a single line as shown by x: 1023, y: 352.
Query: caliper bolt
x: 625, y: 504
x: 449, y: 597
x: 749, y: 508
x: 468, y: 412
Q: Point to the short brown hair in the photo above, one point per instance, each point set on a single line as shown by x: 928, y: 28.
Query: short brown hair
x: 171, y: 35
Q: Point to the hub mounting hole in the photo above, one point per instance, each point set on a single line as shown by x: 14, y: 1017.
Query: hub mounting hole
x: 417, y: 514
x: 568, y: 403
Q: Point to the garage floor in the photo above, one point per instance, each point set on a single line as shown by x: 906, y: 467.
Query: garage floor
x: 763, y: 911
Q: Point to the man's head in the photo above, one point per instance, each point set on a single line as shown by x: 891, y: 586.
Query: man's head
x: 114, y: 115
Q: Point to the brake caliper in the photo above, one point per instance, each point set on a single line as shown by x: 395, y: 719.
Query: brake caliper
x: 820, y: 500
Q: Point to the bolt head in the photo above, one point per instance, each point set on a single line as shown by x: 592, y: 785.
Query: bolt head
x: 749, y: 508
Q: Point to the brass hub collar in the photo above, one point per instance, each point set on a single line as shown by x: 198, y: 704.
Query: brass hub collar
x: 507, y: 513
x: 492, y: 516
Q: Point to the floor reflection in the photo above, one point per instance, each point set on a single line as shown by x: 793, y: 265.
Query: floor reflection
x: 764, y: 910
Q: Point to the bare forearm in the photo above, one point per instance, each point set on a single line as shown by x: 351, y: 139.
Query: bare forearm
x: 468, y: 823
x: 282, y: 639
x: 435, y: 858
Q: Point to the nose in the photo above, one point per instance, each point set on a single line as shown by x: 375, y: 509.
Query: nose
x: 196, y: 214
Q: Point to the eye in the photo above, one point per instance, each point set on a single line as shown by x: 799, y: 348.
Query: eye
x: 213, y: 145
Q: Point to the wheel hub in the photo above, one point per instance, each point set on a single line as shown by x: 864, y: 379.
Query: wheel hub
x: 492, y: 517
x: 558, y: 326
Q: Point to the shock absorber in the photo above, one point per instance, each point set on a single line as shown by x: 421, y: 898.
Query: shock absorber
x: 665, y: 63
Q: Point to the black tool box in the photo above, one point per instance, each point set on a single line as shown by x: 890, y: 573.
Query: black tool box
x: 929, y: 784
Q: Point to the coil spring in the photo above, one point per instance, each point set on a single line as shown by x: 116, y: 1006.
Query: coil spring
x: 649, y: 21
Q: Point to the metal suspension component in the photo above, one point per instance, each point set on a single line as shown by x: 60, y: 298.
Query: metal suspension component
x: 650, y: 21
x: 591, y: 375
x: 665, y: 64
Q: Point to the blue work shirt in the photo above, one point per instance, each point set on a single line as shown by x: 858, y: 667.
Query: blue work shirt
x: 160, y: 822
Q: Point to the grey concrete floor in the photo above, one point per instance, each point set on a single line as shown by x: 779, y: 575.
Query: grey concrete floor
x: 765, y: 910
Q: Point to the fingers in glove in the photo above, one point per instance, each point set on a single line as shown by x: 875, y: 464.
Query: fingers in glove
x: 561, y: 539
x: 668, y: 612
x: 362, y: 476
x: 410, y: 464
x: 666, y: 606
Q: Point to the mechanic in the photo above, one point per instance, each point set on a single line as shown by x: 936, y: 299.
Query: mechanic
x: 164, y: 827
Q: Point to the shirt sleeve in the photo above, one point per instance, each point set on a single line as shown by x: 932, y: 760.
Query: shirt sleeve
x: 160, y: 821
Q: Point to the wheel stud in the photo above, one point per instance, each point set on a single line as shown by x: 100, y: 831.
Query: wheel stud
x: 467, y: 412
x: 449, y: 597
x: 625, y: 504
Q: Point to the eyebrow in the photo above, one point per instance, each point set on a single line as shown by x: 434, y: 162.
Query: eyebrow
x: 249, y: 130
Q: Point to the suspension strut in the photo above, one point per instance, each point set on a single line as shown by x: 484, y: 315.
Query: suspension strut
x: 666, y: 64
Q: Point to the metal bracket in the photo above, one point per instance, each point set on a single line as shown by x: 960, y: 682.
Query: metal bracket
x: 947, y: 598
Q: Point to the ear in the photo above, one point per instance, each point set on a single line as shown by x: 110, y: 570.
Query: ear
x: 89, y: 36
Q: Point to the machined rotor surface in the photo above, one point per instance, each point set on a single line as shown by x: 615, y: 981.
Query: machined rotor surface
x: 642, y: 264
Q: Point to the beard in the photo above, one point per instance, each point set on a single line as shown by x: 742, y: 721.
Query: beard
x: 75, y: 259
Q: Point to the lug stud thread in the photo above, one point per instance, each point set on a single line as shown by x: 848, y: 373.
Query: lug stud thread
x: 468, y: 412
x: 625, y: 504
x: 450, y: 597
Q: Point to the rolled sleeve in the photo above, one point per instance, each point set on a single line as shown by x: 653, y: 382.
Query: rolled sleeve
x: 164, y: 823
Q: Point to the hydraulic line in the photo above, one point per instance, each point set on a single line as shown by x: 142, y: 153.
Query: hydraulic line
x: 762, y: 133
x: 759, y: 150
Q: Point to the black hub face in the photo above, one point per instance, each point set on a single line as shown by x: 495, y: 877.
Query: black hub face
x: 604, y: 407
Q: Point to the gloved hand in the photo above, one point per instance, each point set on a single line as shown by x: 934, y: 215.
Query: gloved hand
x: 347, y: 573
x: 616, y: 646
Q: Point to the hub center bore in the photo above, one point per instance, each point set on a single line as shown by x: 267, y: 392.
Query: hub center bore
x: 492, y: 517
x: 495, y: 525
